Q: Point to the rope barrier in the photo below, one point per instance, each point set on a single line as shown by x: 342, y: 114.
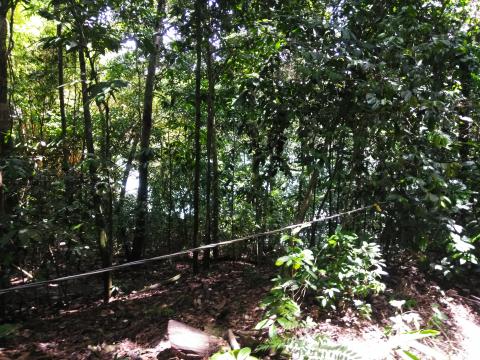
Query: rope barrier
x: 180, y: 253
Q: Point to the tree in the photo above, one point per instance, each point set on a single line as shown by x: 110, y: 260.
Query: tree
x: 145, y: 151
x: 198, y: 123
x: 5, y: 128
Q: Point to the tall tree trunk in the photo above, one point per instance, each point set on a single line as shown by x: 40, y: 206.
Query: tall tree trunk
x: 330, y: 193
x: 5, y: 118
x: 63, y: 115
x: 107, y: 160
x: 105, y: 155
x: 140, y: 234
x: 216, y: 188
x: 197, y: 149
x: 5, y: 127
x: 258, y: 201
x: 170, y: 196
x: 103, y: 240
x: 212, y: 161
x: 232, y: 193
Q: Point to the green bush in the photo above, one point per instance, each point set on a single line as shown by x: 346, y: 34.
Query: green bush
x: 349, y: 270
x: 319, y: 347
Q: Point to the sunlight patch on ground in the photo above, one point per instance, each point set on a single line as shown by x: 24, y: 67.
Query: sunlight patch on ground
x: 468, y: 331
x: 460, y: 340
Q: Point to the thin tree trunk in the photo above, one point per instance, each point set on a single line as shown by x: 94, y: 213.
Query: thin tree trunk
x: 197, y: 149
x: 307, y: 197
x: 5, y: 118
x: 216, y: 190
x: 232, y: 194
x: 330, y: 193
x: 103, y: 240
x: 140, y: 234
x: 122, y: 225
x: 5, y: 127
x: 63, y: 116
x: 215, y: 209
x: 108, y: 201
x: 209, y: 213
x: 170, y: 196
x: 258, y: 194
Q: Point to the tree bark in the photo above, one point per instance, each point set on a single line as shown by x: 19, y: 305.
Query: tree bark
x: 102, y: 231
x: 140, y: 234
x: 63, y: 115
x: 5, y: 118
x: 307, y: 197
x: 211, y: 158
x: 5, y: 128
x: 215, y: 186
x: 258, y: 191
x: 198, y: 115
x: 122, y: 226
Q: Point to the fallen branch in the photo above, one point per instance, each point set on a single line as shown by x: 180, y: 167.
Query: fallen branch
x: 25, y: 272
x: 232, y: 340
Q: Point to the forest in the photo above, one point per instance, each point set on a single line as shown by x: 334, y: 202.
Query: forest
x: 239, y: 179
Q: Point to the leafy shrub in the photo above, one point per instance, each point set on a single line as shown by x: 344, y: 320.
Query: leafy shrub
x: 460, y: 251
x: 405, y: 331
x: 297, y: 275
x: 319, y: 347
x: 350, y: 271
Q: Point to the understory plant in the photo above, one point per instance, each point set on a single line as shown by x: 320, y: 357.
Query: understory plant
x: 341, y: 270
x: 404, y: 333
x: 298, y: 274
x: 319, y: 347
x: 349, y: 271
x: 461, y: 251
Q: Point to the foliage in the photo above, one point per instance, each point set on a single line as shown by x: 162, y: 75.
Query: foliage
x: 405, y: 330
x: 240, y: 354
x: 7, y: 330
x: 296, y: 276
x: 438, y: 318
x: 350, y: 270
x: 319, y: 347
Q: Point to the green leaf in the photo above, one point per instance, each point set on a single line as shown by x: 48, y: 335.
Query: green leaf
x: 410, y: 355
x: 244, y: 353
x: 78, y: 226
x: 282, y: 260
x: 272, y: 331
x: 429, y: 332
x: 263, y: 324
x: 8, y: 329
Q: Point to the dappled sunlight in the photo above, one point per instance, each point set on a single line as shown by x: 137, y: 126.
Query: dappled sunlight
x: 467, y: 330
x: 134, y: 324
x: 239, y: 179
